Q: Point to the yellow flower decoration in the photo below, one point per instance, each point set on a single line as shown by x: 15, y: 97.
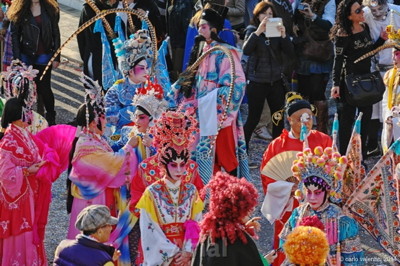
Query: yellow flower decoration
x: 306, y: 245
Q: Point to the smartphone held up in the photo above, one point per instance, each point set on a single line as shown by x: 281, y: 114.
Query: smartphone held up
x: 272, y: 29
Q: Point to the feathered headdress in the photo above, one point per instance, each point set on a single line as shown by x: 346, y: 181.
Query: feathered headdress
x: 325, y: 164
x: 94, y: 97
x: 151, y: 98
x: 129, y: 52
x: 19, y: 82
x: 174, y: 129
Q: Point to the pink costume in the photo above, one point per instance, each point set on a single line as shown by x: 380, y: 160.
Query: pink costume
x: 25, y: 198
x: 97, y: 174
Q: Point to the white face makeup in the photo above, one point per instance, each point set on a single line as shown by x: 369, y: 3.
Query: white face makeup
x: 379, y: 11
x: 315, y: 196
x: 176, y: 169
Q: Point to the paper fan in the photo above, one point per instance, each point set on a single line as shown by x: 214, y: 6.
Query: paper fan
x: 279, y: 167
x: 60, y: 139
x: 38, y: 123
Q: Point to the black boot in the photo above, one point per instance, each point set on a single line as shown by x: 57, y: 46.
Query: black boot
x: 51, y: 118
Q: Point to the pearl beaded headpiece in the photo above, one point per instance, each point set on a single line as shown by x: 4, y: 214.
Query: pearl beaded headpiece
x: 94, y: 97
x: 325, y: 164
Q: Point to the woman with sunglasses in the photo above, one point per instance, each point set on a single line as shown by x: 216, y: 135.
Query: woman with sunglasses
x: 352, y: 39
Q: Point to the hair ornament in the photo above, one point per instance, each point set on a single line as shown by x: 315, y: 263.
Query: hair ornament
x: 174, y: 129
x: 19, y: 82
x: 326, y: 165
x: 94, y: 97
x: 151, y: 98
x: 133, y: 50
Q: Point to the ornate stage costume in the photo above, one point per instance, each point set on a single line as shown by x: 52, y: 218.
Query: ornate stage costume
x: 97, y: 174
x: 212, y: 85
x: 149, y: 172
x: 321, y: 180
x: 17, y: 199
x: 338, y: 228
x: 28, y: 166
x: 167, y: 212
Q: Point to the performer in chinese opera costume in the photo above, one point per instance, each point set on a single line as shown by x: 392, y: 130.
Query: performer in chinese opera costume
x: 132, y: 57
x: 28, y: 165
x: 96, y: 172
x: 149, y: 104
x: 227, y: 231
x: 320, y: 174
x: 277, y: 179
x: 213, y: 94
x: 38, y: 122
x: 170, y: 207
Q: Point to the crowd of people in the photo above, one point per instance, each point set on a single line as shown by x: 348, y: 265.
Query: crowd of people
x: 157, y: 157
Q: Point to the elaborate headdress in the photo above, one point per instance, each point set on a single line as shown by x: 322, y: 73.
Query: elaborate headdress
x: 213, y: 18
x: 19, y: 82
x: 174, y: 129
x: 151, y: 99
x: 133, y: 50
x: 325, y: 165
x: 306, y: 245
x: 93, y: 97
x: 294, y: 102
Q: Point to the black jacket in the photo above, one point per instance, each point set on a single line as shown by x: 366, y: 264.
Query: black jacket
x: 265, y: 63
x: 89, y: 43
x: 25, y: 35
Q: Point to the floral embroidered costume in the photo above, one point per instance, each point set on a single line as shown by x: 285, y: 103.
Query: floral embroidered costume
x: 322, y: 172
x: 28, y: 166
x: 207, y: 98
x: 97, y: 172
x: 170, y: 207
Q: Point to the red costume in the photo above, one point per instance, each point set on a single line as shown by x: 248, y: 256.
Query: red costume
x: 149, y: 172
x: 281, y: 144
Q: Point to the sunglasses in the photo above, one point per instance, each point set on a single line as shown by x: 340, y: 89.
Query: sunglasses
x: 358, y: 10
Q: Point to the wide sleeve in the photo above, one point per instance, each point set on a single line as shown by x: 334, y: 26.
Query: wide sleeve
x: 12, y: 176
x: 350, y: 244
x: 94, y: 171
x: 137, y: 188
x: 224, y: 79
x: 340, y: 50
x: 157, y: 249
x: 289, y: 226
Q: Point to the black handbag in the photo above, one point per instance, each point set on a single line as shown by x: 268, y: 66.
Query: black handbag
x: 364, y: 89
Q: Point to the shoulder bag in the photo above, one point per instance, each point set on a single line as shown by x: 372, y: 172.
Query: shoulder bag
x: 364, y: 89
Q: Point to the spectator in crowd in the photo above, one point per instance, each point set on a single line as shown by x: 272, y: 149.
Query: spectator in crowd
x: 227, y: 229
x: 377, y: 17
x: 90, y: 43
x: 264, y: 69
x: 352, y: 39
x: 179, y: 14
x: 313, y: 20
x: 95, y: 223
x: 35, y: 37
x: 236, y: 12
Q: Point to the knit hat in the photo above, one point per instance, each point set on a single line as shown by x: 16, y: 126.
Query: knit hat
x: 214, y: 19
x: 93, y: 217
